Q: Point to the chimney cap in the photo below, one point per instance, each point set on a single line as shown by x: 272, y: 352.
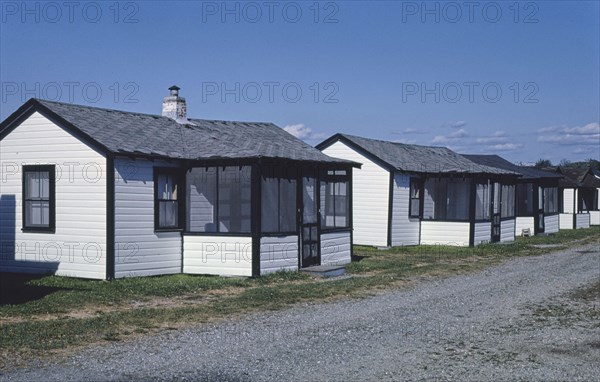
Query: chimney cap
x: 174, y: 90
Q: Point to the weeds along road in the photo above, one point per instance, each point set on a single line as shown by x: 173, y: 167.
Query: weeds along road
x: 532, y: 318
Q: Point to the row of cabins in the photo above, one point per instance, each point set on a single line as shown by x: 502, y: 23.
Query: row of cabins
x: 579, y: 197
x: 102, y: 194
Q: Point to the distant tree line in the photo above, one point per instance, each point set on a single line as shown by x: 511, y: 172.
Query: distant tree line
x: 545, y: 163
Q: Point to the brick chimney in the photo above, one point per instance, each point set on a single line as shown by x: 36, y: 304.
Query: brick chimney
x: 174, y: 106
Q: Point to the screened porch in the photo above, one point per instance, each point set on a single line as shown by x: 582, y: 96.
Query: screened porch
x: 259, y: 218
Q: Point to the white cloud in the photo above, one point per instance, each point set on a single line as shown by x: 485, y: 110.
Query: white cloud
x: 455, y: 124
x: 303, y: 132
x: 409, y: 131
x: 571, y: 139
x: 589, y: 129
x: 507, y: 146
x: 578, y: 135
x: 496, y: 138
x: 413, y: 131
x: 298, y: 130
x: 550, y: 129
x: 452, y: 137
x: 595, y: 150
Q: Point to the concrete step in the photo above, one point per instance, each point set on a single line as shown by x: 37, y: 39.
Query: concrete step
x: 325, y: 270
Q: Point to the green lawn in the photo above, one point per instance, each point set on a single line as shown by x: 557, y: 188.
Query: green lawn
x: 53, y: 313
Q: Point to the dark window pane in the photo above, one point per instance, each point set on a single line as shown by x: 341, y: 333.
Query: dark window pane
x: 168, y: 214
x: 270, y: 204
x: 508, y: 201
x: 415, y: 200
x: 287, y: 205
x: 309, y: 197
x: 334, y: 204
x: 37, y: 199
x: 37, y: 213
x: 525, y: 199
x: 482, y: 202
x: 458, y: 199
x: 166, y: 194
x: 234, y: 199
x: 202, y: 199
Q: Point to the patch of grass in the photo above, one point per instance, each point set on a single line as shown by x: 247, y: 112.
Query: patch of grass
x: 76, y: 312
x: 590, y: 293
x: 580, y: 305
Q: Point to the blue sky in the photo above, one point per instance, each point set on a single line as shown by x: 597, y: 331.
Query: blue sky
x: 518, y: 80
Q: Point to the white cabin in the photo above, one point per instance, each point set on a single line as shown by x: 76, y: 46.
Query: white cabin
x: 101, y: 194
x: 409, y: 195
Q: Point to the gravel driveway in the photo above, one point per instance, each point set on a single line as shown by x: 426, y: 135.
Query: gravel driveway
x: 482, y: 326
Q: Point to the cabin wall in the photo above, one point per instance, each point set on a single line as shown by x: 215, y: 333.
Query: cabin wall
x: 583, y: 220
x: 78, y: 246
x: 405, y: 230
x: 370, y: 196
x: 217, y: 255
x: 524, y: 222
x: 565, y: 221
x: 278, y: 253
x: 483, y: 232
x: 139, y: 250
x: 507, y: 230
x: 569, y: 195
x: 594, y: 217
x: 445, y: 233
x: 551, y: 223
x: 336, y: 248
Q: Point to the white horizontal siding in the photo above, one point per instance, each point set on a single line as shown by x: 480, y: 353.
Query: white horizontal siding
x: 594, y: 217
x: 445, y: 233
x: 583, y: 220
x: 507, y: 230
x: 569, y: 195
x: 217, y: 255
x: 278, y: 253
x: 370, y: 196
x: 551, y: 223
x: 524, y: 222
x: 405, y: 231
x: 565, y: 221
x: 139, y: 251
x: 483, y: 232
x: 78, y: 247
x: 336, y: 248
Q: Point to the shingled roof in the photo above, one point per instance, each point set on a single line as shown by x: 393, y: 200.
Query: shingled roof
x: 579, y: 177
x: 122, y: 132
x: 499, y: 162
x: 415, y: 158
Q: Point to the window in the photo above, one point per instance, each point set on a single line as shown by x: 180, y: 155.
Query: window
x: 278, y: 203
x: 234, y: 190
x: 446, y: 199
x: 550, y: 200
x: 508, y: 201
x: 202, y: 199
x: 525, y: 199
x: 166, y: 208
x: 39, y: 198
x: 414, y: 208
x: 219, y: 199
x: 482, y: 201
x: 588, y: 199
x: 335, y: 200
